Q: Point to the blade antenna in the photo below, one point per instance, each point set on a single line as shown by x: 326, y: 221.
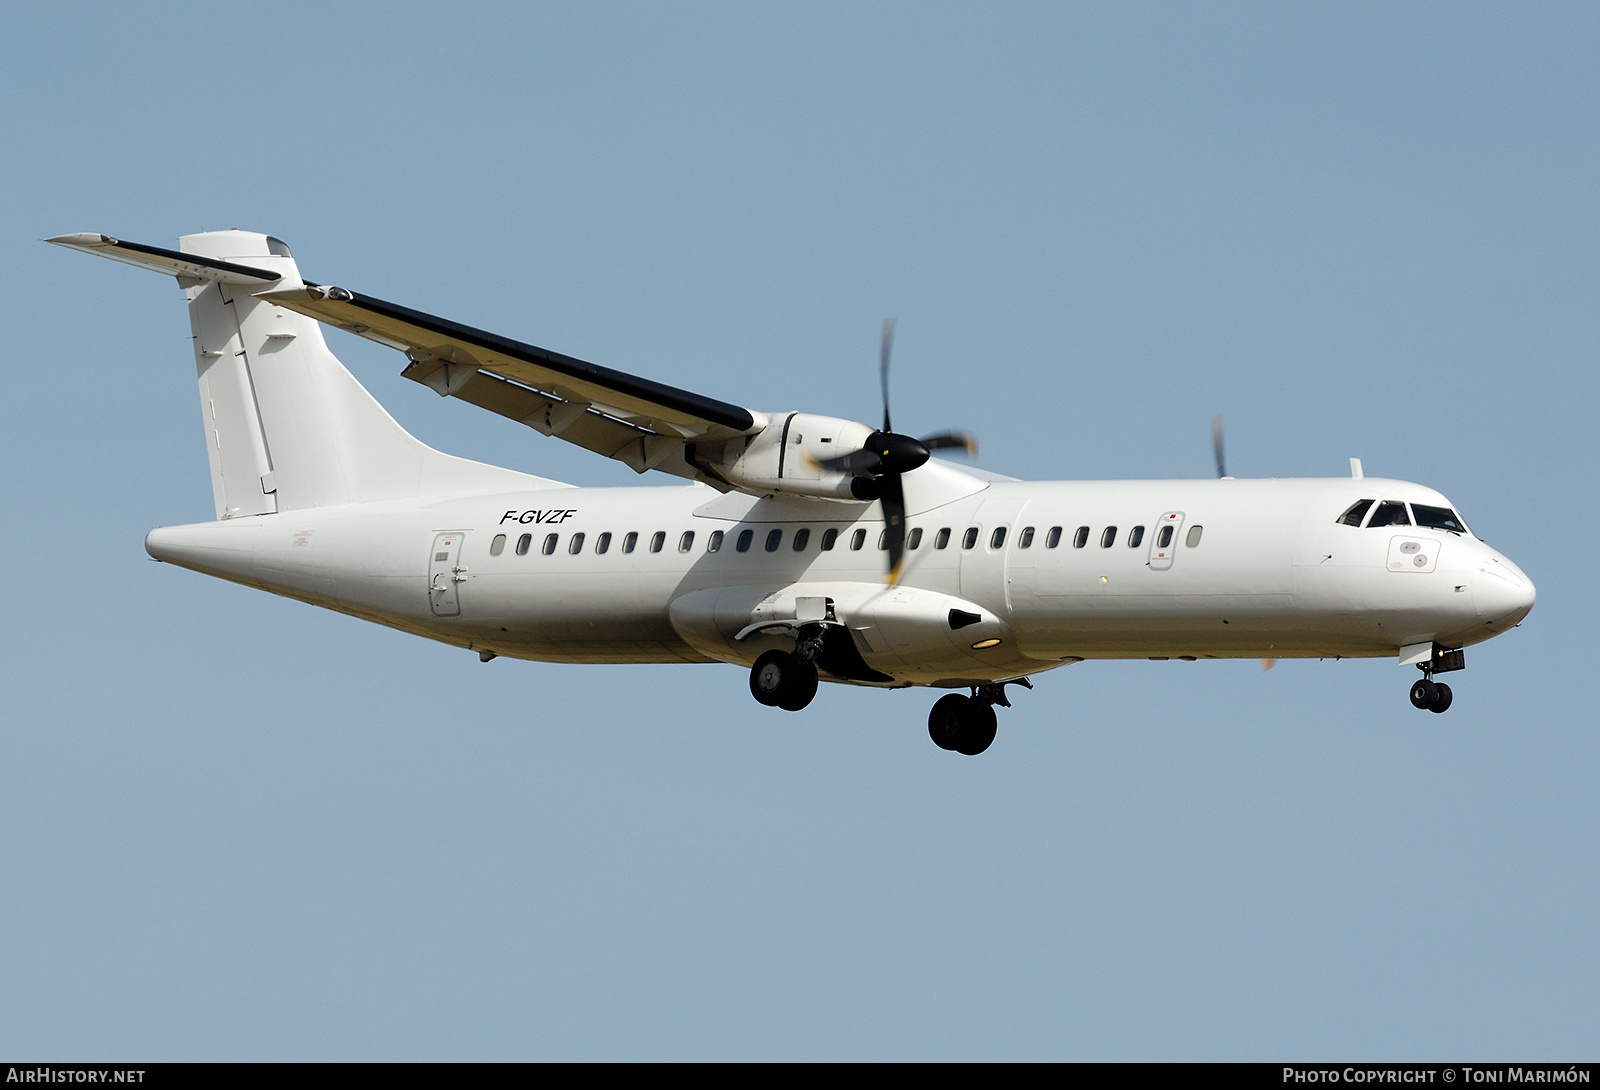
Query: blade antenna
x: 1216, y: 445
x: 883, y: 367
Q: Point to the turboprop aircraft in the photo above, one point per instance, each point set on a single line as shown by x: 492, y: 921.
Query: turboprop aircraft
x: 803, y: 547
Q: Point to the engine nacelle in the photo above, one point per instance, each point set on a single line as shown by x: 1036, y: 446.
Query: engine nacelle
x: 785, y: 455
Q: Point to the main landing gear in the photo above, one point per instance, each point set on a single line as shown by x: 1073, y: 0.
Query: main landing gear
x: 966, y: 724
x: 783, y: 679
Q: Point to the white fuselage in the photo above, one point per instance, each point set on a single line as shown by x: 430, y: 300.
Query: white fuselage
x: 1270, y: 573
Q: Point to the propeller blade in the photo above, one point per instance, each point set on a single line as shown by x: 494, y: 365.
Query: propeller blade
x: 1216, y: 445
x: 883, y: 367
x: 894, y: 522
x: 858, y: 462
x: 950, y: 440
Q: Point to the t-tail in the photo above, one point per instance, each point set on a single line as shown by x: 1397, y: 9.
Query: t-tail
x: 287, y: 426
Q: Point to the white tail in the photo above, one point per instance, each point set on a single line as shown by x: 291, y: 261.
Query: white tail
x: 287, y: 427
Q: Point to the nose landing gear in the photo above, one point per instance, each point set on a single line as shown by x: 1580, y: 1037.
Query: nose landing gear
x: 966, y: 724
x: 1435, y: 696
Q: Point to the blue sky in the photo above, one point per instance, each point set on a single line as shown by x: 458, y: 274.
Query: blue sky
x: 237, y: 827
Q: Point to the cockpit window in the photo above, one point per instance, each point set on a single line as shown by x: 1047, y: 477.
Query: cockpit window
x: 1357, y: 512
x: 1389, y: 513
x: 1438, y: 518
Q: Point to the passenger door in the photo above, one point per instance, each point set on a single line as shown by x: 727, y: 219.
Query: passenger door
x: 1164, y: 542
x: 446, y: 573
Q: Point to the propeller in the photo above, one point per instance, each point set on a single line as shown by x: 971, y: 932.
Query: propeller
x: 887, y: 456
x: 1216, y: 445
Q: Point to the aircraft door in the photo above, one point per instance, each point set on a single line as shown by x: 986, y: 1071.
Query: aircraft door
x: 446, y: 573
x: 1164, y: 542
x: 984, y: 575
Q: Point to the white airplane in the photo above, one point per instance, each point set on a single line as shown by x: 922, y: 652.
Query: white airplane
x: 774, y: 555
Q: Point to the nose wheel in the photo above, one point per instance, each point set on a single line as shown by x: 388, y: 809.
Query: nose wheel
x: 1431, y: 696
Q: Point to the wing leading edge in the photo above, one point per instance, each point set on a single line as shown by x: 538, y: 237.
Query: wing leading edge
x: 644, y: 424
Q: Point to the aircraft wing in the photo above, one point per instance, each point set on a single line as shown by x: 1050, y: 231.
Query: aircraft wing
x: 645, y: 424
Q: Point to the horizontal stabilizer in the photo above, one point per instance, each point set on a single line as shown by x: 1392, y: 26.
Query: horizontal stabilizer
x: 188, y: 266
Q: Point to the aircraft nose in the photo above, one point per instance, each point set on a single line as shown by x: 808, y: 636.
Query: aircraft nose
x: 1502, y: 593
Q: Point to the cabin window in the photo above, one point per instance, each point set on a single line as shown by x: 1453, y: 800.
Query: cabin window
x: 1356, y: 513
x: 943, y: 538
x: 1109, y: 538
x: 774, y: 539
x: 1053, y: 538
x: 858, y: 539
x: 802, y: 538
x: 498, y: 545
x: 1438, y: 518
x: 745, y: 538
x: 1081, y: 537
x: 1027, y: 537
x: 1135, y: 537
x: 523, y: 544
x: 1164, y: 538
x: 1390, y: 513
x: 657, y: 540
x: 602, y: 544
x: 575, y: 546
x: 630, y: 542
x: 549, y: 545
x: 1194, y: 536
x: 998, y: 538
x: 970, y: 538
x: 915, y: 539
x: 686, y: 542
x: 829, y: 536
x: 714, y: 542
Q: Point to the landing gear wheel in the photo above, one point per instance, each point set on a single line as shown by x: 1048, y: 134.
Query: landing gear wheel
x: 961, y: 724
x: 1441, y: 697
x: 946, y: 719
x: 780, y: 680
x: 1424, y: 693
x: 979, y: 730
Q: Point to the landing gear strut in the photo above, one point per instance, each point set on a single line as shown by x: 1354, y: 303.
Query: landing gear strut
x: 966, y: 724
x: 1435, y: 696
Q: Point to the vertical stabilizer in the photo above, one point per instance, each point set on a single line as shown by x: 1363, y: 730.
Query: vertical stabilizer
x: 287, y: 427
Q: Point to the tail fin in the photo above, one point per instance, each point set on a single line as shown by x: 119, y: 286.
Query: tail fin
x: 287, y: 427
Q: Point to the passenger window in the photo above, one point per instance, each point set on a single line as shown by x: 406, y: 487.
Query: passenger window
x: 858, y: 539
x: 1356, y: 513
x: 970, y: 538
x: 523, y: 544
x: 549, y: 544
x: 998, y: 538
x: 1164, y: 538
x: 1438, y: 518
x: 774, y: 539
x: 802, y: 538
x: 575, y: 546
x: 829, y: 536
x: 1053, y: 538
x: 915, y: 539
x: 686, y: 542
x: 745, y: 537
x: 942, y: 539
x: 714, y: 542
x: 658, y: 539
x: 602, y: 544
x: 1193, y: 538
x: 630, y: 542
x: 883, y: 539
x: 1135, y: 536
x: 498, y: 545
x: 1026, y: 539
x: 1080, y: 538
x: 1109, y: 538
x: 1389, y: 513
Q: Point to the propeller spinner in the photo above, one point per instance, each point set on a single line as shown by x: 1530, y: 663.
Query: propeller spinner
x: 886, y: 456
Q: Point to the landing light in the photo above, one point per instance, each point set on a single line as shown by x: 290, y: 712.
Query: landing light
x: 984, y: 645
